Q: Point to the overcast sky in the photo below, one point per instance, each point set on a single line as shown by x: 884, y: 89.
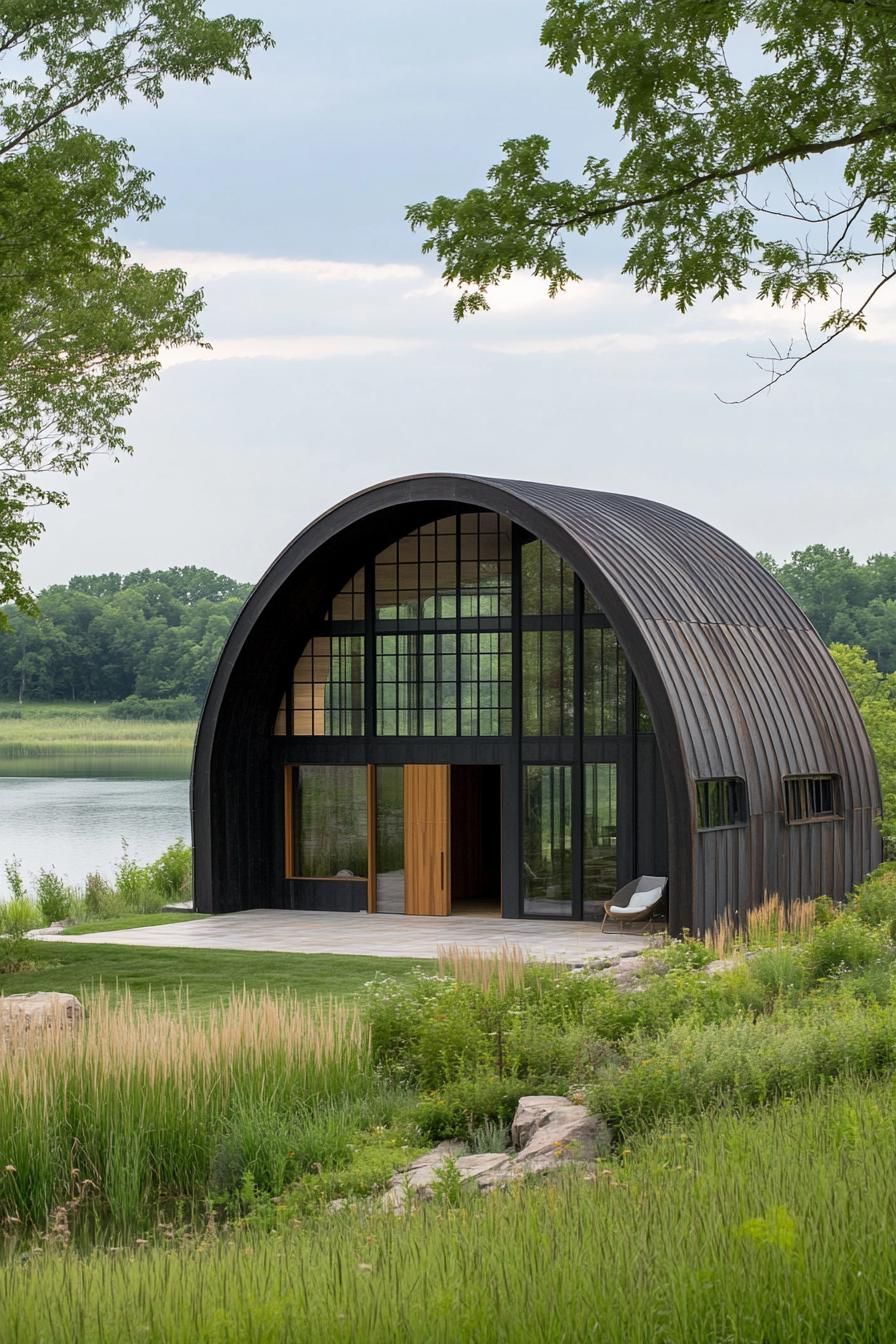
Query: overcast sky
x: 336, y: 362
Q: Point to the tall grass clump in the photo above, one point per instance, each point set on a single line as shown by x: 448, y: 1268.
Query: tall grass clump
x: 108, y: 1121
x: 762, y: 1230
x: 501, y: 970
x: 769, y: 924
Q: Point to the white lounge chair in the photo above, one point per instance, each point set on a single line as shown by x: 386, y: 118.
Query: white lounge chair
x: 635, y: 901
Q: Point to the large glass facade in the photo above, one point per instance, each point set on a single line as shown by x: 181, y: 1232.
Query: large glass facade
x: 329, y: 821
x: 467, y: 627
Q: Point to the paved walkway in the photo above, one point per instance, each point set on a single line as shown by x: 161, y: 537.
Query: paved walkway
x: 377, y: 935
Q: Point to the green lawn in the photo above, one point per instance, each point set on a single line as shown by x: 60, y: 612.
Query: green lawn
x: 207, y: 975
x: 130, y: 922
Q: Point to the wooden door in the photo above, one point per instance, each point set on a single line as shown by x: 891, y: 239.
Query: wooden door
x: 427, y: 812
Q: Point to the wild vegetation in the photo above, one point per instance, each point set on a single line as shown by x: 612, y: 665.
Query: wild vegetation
x: 763, y: 1229
x: 751, y: 1111
x: 142, y: 889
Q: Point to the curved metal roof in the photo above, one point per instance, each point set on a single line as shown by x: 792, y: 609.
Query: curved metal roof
x: 737, y: 680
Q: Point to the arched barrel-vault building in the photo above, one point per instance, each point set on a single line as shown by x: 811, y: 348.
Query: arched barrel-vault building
x: 455, y: 694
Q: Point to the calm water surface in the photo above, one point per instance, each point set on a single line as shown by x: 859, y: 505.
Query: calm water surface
x: 72, y: 813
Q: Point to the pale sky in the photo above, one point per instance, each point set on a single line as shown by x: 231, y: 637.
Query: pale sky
x: 336, y: 360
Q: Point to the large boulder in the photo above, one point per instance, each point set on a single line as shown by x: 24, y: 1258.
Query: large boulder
x: 41, y: 1009
x: 546, y: 1132
x: 549, y: 1131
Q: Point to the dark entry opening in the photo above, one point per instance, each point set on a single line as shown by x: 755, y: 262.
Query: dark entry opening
x: 476, y: 840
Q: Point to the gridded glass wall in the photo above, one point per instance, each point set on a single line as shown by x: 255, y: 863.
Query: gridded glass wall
x: 599, y: 861
x: 329, y: 814
x: 604, y: 677
x: 547, y: 582
x: 547, y: 839
x: 328, y: 687
x: 442, y: 611
x: 444, y: 684
x: 442, y: 626
x: 548, y: 682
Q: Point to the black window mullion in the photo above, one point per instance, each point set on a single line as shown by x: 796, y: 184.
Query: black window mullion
x: 578, y: 718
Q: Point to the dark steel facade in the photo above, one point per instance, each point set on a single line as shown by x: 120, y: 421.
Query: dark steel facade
x: 737, y: 682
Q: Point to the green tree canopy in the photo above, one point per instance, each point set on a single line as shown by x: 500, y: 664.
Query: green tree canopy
x: 875, y: 694
x: 848, y: 603
x: 727, y: 108
x: 154, y: 633
x: 81, y: 325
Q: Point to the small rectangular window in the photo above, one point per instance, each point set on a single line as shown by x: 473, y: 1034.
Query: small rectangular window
x: 721, y: 802
x: 811, y: 798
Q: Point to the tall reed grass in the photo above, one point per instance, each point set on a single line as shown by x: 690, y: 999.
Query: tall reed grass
x: 502, y: 969
x: 767, y: 925
x: 763, y: 1230
x: 136, y: 1107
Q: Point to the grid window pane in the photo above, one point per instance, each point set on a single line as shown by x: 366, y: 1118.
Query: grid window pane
x: 604, y: 691
x: 328, y: 687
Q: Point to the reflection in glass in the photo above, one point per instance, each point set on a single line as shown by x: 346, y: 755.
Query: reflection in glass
x: 547, y: 683
x: 328, y: 687
x: 599, y: 837
x: 604, y: 675
x: 330, y: 820
x: 547, y: 839
x: 390, y: 839
x: 547, y: 581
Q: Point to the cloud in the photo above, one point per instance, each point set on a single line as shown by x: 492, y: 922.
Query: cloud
x: 202, y: 267
x: 304, y: 309
x: 291, y: 348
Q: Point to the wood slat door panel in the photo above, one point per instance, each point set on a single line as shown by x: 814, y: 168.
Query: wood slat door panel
x: 427, y: 811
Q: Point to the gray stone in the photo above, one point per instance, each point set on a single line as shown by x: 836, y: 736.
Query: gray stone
x: 44, y: 1009
x: 567, y: 1133
x: 531, y: 1113
x: 547, y: 1131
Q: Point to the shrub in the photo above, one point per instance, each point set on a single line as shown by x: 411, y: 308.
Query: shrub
x: 171, y: 875
x: 844, y: 945
x: 462, y: 1107
x: 18, y: 916
x: 101, y: 899
x: 874, y: 901
x: 54, y: 898
x: 136, y: 887
x: 743, y: 1062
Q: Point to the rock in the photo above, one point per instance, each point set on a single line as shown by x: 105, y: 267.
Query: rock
x: 556, y: 1133
x: 486, y: 1169
x: 531, y: 1113
x: 337, y: 1205
x: 43, y: 1009
x: 547, y: 1131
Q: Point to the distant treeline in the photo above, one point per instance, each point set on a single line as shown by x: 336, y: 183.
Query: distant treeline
x: 848, y: 603
x: 154, y: 634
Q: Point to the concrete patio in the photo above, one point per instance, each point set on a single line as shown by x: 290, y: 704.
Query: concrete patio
x: 377, y: 935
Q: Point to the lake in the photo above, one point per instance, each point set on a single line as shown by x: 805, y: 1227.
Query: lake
x: 71, y: 812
